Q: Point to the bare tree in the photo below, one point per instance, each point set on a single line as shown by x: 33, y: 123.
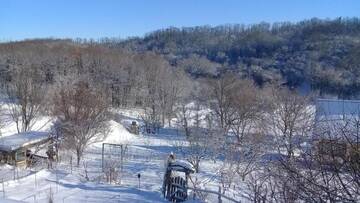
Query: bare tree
x: 26, y: 93
x: 221, y: 99
x: 171, y: 90
x: 328, y: 171
x: 248, y: 109
x: 82, y: 112
x: 200, y: 136
x: 289, y: 117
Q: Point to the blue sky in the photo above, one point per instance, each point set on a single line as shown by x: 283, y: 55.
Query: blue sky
x: 20, y: 19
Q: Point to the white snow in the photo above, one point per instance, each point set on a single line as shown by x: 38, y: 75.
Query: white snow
x: 12, y: 142
x: 146, y: 155
x: 3, y: 200
x: 42, y: 123
x: 179, y: 164
x: 118, y: 134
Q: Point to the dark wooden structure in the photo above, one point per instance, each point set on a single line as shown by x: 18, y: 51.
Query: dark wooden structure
x: 335, y: 137
x: 338, y: 151
x: 15, y: 149
x: 176, y: 178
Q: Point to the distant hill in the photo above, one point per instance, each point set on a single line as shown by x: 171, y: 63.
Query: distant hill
x: 315, y: 54
x: 322, y: 53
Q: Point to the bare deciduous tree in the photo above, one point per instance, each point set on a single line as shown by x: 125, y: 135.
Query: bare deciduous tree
x: 82, y: 112
x: 248, y: 108
x: 200, y: 136
x: 221, y: 99
x: 26, y: 94
x: 290, y: 117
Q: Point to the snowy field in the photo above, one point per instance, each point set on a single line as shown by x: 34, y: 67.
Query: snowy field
x: 145, y: 155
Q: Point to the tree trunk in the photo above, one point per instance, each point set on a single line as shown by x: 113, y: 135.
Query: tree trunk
x: 78, y: 157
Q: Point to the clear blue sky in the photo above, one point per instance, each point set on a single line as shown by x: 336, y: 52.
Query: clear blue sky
x: 21, y: 19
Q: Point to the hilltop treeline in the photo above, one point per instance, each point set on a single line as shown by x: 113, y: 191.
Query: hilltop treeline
x: 317, y: 55
x: 322, y: 54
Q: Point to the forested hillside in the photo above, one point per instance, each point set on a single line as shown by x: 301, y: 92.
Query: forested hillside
x: 322, y: 53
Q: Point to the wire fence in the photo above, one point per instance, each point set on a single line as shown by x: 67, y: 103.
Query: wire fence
x: 8, y: 173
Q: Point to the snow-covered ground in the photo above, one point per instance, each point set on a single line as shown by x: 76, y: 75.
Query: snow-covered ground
x: 146, y: 155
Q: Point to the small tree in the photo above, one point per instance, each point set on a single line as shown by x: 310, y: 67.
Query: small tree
x: 82, y: 112
x: 247, y: 107
x: 199, y: 134
x: 26, y: 94
x: 220, y: 93
x: 289, y: 117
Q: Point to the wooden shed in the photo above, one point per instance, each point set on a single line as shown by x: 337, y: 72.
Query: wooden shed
x: 14, y: 148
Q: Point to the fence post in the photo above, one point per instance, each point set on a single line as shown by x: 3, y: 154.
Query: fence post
x: 139, y: 175
x: 35, y: 179
x: 3, y: 188
x: 121, y: 162
x: 51, y: 195
x: 57, y: 179
x: 71, y: 164
x: 219, y: 195
x: 102, y: 157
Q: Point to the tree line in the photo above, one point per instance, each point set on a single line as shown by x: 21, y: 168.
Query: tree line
x: 321, y: 54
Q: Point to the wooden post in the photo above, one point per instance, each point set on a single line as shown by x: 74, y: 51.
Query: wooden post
x: 3, y: 188
x: 57, y: 180
x: 102, y: 157
x: 186, y: 183
x: 219, y: 195
x: 122, y: 162
x: 70, y: 164
x: 15, y: 159
x: 14, y: 173
x: 35, y: 179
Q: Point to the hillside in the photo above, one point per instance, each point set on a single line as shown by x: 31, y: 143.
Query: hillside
x: 322, y: 53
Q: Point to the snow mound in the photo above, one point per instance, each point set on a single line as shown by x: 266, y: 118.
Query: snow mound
x: 118, y: 134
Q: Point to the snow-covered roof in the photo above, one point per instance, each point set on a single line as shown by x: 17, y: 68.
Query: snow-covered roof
x: 16, y: 141
x: 182, y: 166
